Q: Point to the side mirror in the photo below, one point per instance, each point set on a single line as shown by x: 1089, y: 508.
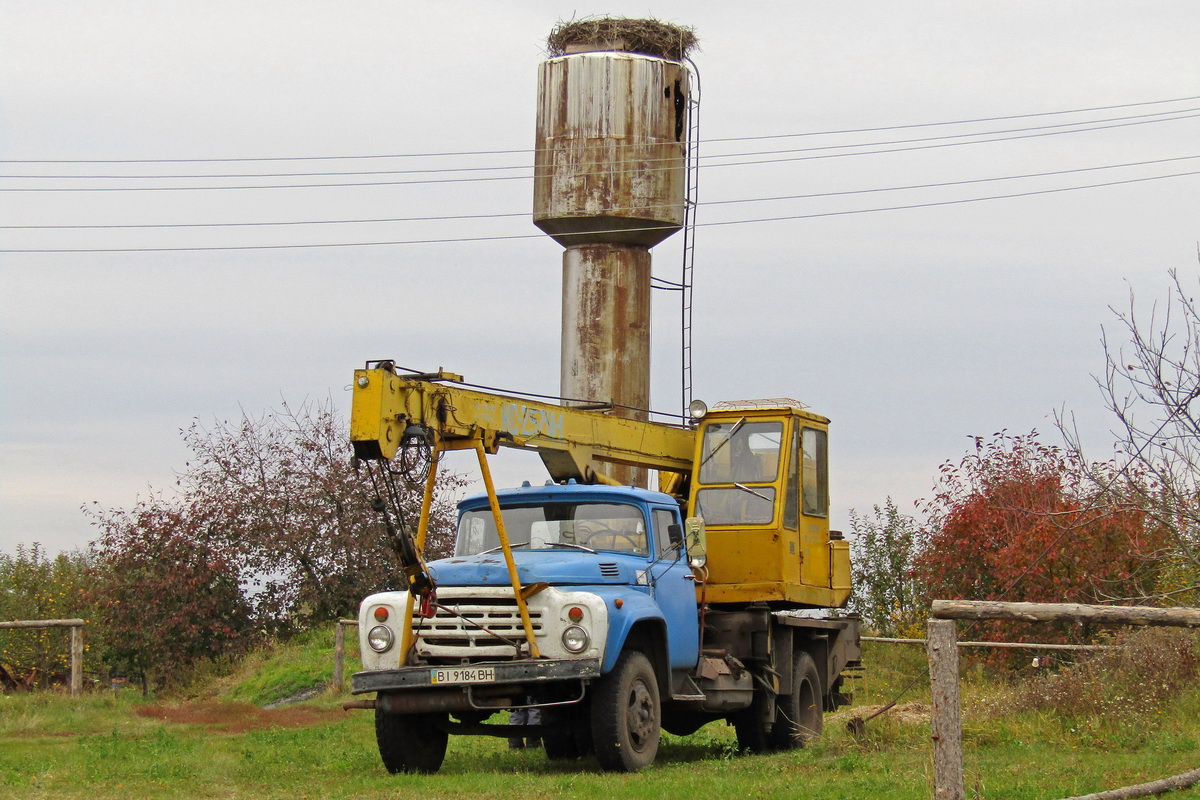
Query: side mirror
x: 697, y: 542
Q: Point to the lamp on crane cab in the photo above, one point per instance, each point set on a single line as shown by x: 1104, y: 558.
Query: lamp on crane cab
x: 697, y: 409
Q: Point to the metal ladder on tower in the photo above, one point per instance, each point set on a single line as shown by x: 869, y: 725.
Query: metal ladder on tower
x: 691, y: 188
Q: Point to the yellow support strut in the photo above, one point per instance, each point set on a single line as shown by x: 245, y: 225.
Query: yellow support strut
x: 407, y: 638
x: 476, y: 444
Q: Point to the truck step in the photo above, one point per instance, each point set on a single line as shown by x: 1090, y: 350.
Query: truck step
x: 686, y: 689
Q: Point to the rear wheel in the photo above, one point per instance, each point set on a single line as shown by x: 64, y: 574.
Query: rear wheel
x: 751, y: 726
x: 411, y: 742
x: 627, y: 715
x: 798, y: 716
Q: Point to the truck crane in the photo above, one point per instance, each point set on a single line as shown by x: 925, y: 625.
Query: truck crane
x: 616, y: 611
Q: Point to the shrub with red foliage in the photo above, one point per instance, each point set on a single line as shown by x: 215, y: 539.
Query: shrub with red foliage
x: 166, y: 597
x: 1017, y: 520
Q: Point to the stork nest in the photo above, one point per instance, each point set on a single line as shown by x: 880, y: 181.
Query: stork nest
x: 646, y: 36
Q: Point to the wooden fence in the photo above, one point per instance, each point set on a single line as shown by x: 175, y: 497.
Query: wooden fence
x: 339, y: 651
x: 994, y: 645
x: 76, y: 626
x: 942, y: 648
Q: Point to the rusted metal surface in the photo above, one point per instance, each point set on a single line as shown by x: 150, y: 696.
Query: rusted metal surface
x: 609, y: 184
x: 609, y: 164
x: 606, y: 333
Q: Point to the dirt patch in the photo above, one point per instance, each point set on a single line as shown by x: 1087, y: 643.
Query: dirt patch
x: 239, y: 717
x: 909, y: 713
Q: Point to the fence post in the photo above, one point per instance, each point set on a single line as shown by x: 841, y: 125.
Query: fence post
x: 942, y: 648
x: 76, y: 660
x: 339, y: 654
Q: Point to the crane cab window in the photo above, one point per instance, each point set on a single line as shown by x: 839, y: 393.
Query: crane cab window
x: 744, y: 456
x: 814, y: 483
x: 791, y: 495
x: 737, y: 505
x: 741, y: 452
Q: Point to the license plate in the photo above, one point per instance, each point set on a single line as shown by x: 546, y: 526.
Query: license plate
x: 463, y: 675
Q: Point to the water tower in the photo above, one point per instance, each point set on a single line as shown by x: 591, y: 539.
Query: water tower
x: 609, y: 180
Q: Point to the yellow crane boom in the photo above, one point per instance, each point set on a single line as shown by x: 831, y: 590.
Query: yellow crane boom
x: 567, y: 439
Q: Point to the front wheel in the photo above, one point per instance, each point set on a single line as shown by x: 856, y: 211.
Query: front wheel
x: 626, y: 715
x: 411, y: 742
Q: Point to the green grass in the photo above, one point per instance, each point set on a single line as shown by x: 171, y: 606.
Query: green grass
x: 98, y: 747
x: 280, y: 672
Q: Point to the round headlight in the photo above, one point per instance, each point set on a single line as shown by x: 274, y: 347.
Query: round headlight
x: 575, y: 639
x: 380, y: 638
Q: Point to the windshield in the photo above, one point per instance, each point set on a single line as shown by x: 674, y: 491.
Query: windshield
x: 599, y: 526
x: 741, y: 452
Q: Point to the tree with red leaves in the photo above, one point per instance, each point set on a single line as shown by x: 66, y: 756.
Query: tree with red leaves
x: 166, y: 596
x: 271, y: 531
x: 1020, y: 520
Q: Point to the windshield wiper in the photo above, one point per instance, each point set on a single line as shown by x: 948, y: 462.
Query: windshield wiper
x: 511, y: 545
x: 751, y: 491
x: 570, y: 544
x: 736, y: 427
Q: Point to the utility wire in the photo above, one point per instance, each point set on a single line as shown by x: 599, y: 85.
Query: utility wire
x: 877, y: 129
x: 1101, y: 124
x: 364, y: 184
x: 453, y: 217
x: 514, y: 237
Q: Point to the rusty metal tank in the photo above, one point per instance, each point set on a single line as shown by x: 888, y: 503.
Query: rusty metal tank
x: 609, y: 182
x: 610, y: 151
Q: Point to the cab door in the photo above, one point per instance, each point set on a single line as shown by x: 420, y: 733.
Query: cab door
x: 673, y: 588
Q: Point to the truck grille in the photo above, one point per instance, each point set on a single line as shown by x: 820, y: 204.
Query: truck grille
x: 465, y: 633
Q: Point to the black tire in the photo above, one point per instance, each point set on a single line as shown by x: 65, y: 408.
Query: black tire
x: 411, y: 742
x: 627, y: 715
x: 798, y: 716
x: 752, y: 732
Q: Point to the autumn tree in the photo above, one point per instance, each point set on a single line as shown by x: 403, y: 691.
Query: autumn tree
x: 281, y: 490
x: 274, y: 504
x: 1020, y: 520
x: 166, y: 594
x: 882, y: 548
x: 1151, y: 384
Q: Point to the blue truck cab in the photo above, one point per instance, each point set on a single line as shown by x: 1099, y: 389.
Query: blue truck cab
x: 605, y: 573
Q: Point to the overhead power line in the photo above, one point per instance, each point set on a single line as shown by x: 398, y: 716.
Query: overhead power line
x: 452, y: 153
x: 1000, y: 136
x: 514, y: 237
x: 364, y: 184
x: 507, y: 215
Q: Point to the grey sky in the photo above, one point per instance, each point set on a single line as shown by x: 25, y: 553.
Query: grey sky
x: 911, y: 329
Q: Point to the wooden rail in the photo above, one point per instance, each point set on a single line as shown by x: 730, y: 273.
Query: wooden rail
x: 76, y: 626
x: 997, y: 645
x: 943, y: 675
